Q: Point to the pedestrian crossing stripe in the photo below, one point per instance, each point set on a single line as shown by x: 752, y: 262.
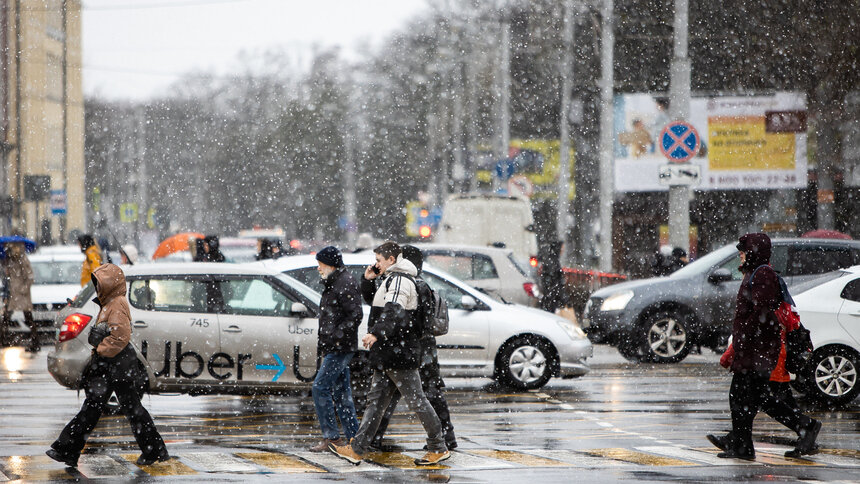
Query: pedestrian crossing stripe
x: 519, y: 458
x: 217, y: 462
x: 772, y: 459
x: 172, y: 467
x: 279, y: 462
x: 635, y: 457
x: 398, y: 460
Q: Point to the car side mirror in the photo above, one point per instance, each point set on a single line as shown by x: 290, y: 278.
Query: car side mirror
x: 468, y: 302
x: 720, y: 275
x: 298, y: 309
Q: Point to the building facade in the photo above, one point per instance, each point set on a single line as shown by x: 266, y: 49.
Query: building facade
x: 41, y: 119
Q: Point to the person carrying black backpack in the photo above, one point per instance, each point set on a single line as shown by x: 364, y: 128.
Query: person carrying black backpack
x: 431, y: 379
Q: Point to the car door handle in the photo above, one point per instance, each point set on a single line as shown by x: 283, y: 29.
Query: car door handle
x: 140, y: 324
x: 232, y: 329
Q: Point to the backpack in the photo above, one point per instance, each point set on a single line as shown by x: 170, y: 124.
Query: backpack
x: 798, y: 343
x: 432, y: 306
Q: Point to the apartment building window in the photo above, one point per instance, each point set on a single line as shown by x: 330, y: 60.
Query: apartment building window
x: 54, y: 78
x: 54, y: 19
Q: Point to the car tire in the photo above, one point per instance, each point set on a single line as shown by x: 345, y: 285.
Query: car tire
x: 525, y: 363
x: 833, y: 375
x: 666, y: 337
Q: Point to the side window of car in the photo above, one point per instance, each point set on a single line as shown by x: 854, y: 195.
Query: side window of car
x: 733, y: 265
x: 452, y: 294
x: 483, y: 267
x: 307, y: 276
x: 456, y: 265
x: 254, y: 297
x: 173, y: 295
x: 817, y: 260
x: 779, y: 258
x: 851, y: 291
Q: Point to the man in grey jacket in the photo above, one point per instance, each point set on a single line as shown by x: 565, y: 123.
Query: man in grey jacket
x: 395, y: 355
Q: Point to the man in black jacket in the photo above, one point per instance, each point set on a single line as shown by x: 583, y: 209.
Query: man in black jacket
x: 340, y: 316
x: 395, y: 354
x: 431, y: 379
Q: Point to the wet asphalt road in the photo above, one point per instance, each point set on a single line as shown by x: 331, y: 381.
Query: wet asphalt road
x: 621, y: 422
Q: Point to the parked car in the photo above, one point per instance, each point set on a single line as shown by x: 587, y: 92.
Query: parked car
x: 494, y: 271
x: 205, y: 328
x: 660, y: 319
x: 519, y: 346
x: 831, y: 312
x: 56, y: 278
x: 486, y: 219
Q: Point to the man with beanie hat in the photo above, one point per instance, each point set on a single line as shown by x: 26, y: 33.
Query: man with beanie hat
x: 340, y: 316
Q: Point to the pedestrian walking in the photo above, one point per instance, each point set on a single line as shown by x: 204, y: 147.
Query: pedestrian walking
x: 340, y: 316
x: 757, y: 347
x: 393, y: 340
x: 114, y: 367
x: 212, y: 249
x: 92, y: 257
x: 18, y: 280
x: 431, y: 378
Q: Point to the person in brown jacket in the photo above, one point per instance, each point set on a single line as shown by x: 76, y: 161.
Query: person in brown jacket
x: 115, y: 368
x: 19, y: 279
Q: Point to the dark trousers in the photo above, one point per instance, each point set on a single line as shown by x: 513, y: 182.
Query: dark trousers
x: 750, y: 393
x: 98, y: 388
x: 433, y: 386
x: 28, y: 320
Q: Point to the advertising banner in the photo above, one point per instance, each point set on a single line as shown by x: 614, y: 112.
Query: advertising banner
x: 747, y: 142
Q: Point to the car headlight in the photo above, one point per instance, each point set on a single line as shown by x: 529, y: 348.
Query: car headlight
x: 617, y: 301
x: 572, y: 330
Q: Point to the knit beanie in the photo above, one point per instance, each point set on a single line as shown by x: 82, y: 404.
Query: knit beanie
x: 330, y: 256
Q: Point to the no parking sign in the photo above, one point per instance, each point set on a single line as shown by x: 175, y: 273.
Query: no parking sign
x: 679, y: 141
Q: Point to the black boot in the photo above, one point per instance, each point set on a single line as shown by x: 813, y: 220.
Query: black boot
x: 806, y: 442
x: 68, y: 459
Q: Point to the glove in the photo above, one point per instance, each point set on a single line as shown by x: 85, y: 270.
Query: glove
x: 98, y: 332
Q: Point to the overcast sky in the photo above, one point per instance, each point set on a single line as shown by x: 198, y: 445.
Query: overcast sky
x: 134, y: 49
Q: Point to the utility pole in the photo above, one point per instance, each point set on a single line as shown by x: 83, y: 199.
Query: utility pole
x: 503, y: 87
x: 679, y: 110
x: 350, y: 200
x: 607, y: 172
x: 564, y: 129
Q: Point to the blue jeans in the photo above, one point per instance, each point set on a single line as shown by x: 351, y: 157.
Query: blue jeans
x: 333, y: 394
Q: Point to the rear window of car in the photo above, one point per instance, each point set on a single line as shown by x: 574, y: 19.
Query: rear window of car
x: 464, y: 266
x: 56, y: 272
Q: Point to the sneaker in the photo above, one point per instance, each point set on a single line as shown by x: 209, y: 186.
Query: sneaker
x: 732, y: 454
x: 146, y: 461
x: 324, y: 443
x: 431, y: 458
x: 68, y: 459
x: 806, y: 442
x: 721, y: 443
x: 345, y: 452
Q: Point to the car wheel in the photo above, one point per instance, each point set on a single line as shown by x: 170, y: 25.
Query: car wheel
x: 666, y: 337
x: 525, y: 363
x: 833, y: 375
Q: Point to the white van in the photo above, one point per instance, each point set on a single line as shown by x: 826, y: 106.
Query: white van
x: 489, y: 220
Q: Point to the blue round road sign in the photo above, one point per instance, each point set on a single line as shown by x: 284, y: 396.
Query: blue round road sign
x: 679, y: 141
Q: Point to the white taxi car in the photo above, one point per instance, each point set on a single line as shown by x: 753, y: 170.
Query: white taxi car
x: 519, y: 346
x: 205, y: 328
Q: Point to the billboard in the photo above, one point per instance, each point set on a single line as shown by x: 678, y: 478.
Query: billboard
x: 748, y: 142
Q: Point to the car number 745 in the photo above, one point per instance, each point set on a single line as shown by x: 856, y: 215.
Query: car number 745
x: 201, y: 322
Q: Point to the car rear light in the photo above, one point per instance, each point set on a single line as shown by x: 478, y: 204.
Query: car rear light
x: 531, y: 289
x: 73, y: 325
x: 533, y: 261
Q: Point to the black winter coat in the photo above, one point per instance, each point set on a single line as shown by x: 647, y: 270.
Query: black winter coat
x: 340, y: 313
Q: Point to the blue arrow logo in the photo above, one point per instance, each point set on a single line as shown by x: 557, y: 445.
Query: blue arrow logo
x: 280, y: 367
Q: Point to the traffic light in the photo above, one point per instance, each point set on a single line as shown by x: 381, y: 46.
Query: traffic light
x: 424, y: 231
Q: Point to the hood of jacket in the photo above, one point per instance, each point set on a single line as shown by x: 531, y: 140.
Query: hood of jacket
x: 757, y: 248
x: 404, y: 266
x: 111, y: 283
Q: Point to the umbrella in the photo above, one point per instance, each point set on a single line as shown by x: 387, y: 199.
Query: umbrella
x: 29, y: 245
x: 175, y: 243
x: 826, y: 234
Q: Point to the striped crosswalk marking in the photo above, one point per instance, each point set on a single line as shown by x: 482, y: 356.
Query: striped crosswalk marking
x: 33, y: 468
x: 279, y: 462
x: 92, y: 465
x: 578, y: 459
x: 684, y: 453
x: 773, y: 458
x: 333, y: 463
x: 216, y: 462
x: 635, y: 457
x: 519, y: 458
x: 172, y: 467
x: 400, y: 461
x: 462, y: 460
